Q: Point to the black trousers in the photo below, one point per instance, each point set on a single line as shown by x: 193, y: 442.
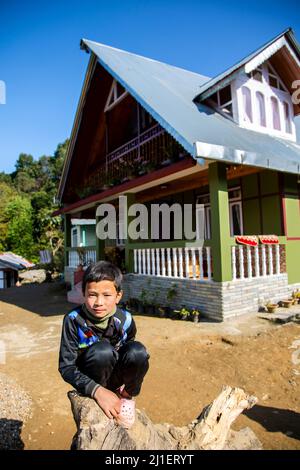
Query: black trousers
x: 111, y: 368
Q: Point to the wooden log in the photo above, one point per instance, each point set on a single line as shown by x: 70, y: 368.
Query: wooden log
x: 210, y: 431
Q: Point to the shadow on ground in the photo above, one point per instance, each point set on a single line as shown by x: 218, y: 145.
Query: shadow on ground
x: 10, y: 434
x: 276, y: 420
x: 45, y: 299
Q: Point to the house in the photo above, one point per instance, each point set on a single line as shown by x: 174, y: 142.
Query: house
x: 10, y: 264
x: 158, y: 134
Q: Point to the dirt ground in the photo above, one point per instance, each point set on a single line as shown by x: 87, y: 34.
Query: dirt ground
x: 189, y: 365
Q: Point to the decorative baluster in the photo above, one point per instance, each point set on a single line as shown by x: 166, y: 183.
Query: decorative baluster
x: 256, y: 253
x: 144, y: 260
x: 169, y: 262
x: 187, y: 262
x: 277, y: 254
x: 200, y: 251
x: 135, y: 260
x: 175, y: 262
x: 264, y: 264
x: 148, y: 260
x: 233, y: 260
x: 241, y: 261
x: 153, y: 261
x: 139, y: 252
x: 193, y: 263
x: 163, y: 262
x: 208, y: 254
x: 270, y: 253
x: 157, y: 262
x: 180, y: 262
x: 249, y: 262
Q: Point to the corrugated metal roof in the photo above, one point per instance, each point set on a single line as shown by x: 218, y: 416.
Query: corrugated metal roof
x: 10, y: 260
x: 265, y: 52
x: 167, y: 93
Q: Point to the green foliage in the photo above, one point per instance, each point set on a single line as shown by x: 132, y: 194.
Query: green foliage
x: 26, y: 204
x: 19, y: 232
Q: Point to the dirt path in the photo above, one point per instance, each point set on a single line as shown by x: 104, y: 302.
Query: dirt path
x: 189, y: 364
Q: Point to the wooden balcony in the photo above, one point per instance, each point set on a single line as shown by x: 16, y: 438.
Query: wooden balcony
x: 151, y: 150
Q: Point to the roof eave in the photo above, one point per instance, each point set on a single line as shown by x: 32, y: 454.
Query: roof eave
x: 244, y: 157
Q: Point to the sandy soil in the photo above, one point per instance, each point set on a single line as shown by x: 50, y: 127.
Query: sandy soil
x: 189, y: 364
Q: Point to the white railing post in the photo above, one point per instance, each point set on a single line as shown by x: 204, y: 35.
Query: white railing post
x: 193, y: 263
x: 148, y: 260
x: 135, y: 260
x: 163, y: 262
x: 200, y: 251
x: 175, y: 270
x: 249, y: 262
x: 169, y: 262
x: 180, y: 262
x: 153, y: 261
x: 157, y: 262
x: 233, y: 259
x: 263, y: 259
x: 270, y: 253
x: 256, y: 254
x: 187, y: 262
x: 139, y: 251
x: 241, y: 262
x: 208, y: 262
x: 277, y: 254
x: 144, y: 260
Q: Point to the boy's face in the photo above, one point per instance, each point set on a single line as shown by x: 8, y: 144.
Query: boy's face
x: 101, y: 298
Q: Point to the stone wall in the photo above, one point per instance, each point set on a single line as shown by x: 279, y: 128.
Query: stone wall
x: 217, y: 301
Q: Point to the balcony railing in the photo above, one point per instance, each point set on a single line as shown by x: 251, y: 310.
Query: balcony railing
x: 151, y: 150
x: 258, y: 261
x: 184, y: 262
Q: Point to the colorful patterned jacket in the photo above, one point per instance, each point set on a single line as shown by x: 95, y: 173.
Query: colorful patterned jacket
x: 78, y: 333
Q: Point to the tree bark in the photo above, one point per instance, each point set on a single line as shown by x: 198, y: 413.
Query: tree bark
x: 210, y: 431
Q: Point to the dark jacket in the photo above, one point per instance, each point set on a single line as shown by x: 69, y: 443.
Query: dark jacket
x: 78, y: 333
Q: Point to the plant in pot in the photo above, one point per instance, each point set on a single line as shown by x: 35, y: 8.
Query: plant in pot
x: 195, y: 314
x: 287, y: 303
x: 183, y: 313
x: 271, y: 307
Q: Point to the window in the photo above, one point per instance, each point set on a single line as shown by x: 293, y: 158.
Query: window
x: 203, y: 217
x: 274, y: 80
x: 116, y: 94
x: 235, y: 214
x: 223, y: 100
x: 247, y: 104
x: 236, y: 220
x: 287, y: 120
x: 275, y: 113
x: 260, y: 99
x: 74, y: 237
x: 257, y: 74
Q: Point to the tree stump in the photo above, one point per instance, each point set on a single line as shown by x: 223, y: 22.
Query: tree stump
x: 210, y: 431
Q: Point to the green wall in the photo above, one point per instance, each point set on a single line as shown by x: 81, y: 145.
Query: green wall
x: 292, y: 213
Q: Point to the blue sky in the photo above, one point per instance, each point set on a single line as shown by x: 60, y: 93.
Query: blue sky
x: 43, y: 67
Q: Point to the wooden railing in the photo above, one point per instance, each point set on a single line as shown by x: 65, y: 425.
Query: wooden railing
x: 183, y: 262
x: 152, y: 149
x: 259, y: 261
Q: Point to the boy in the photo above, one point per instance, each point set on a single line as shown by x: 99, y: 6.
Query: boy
x: 98, y: 353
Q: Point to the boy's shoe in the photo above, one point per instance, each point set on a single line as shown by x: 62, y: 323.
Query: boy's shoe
x: 126, y: 416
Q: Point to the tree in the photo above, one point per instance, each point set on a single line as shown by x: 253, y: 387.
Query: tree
x: 7, y: 193
x: 19, y: 230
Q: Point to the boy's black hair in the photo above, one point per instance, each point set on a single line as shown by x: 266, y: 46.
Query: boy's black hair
x: 102, y: 271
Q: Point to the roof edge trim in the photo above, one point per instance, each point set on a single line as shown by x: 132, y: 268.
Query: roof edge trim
x: 243, y: 157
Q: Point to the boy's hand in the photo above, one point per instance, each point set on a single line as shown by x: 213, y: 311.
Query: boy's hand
x: 108, y: 402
